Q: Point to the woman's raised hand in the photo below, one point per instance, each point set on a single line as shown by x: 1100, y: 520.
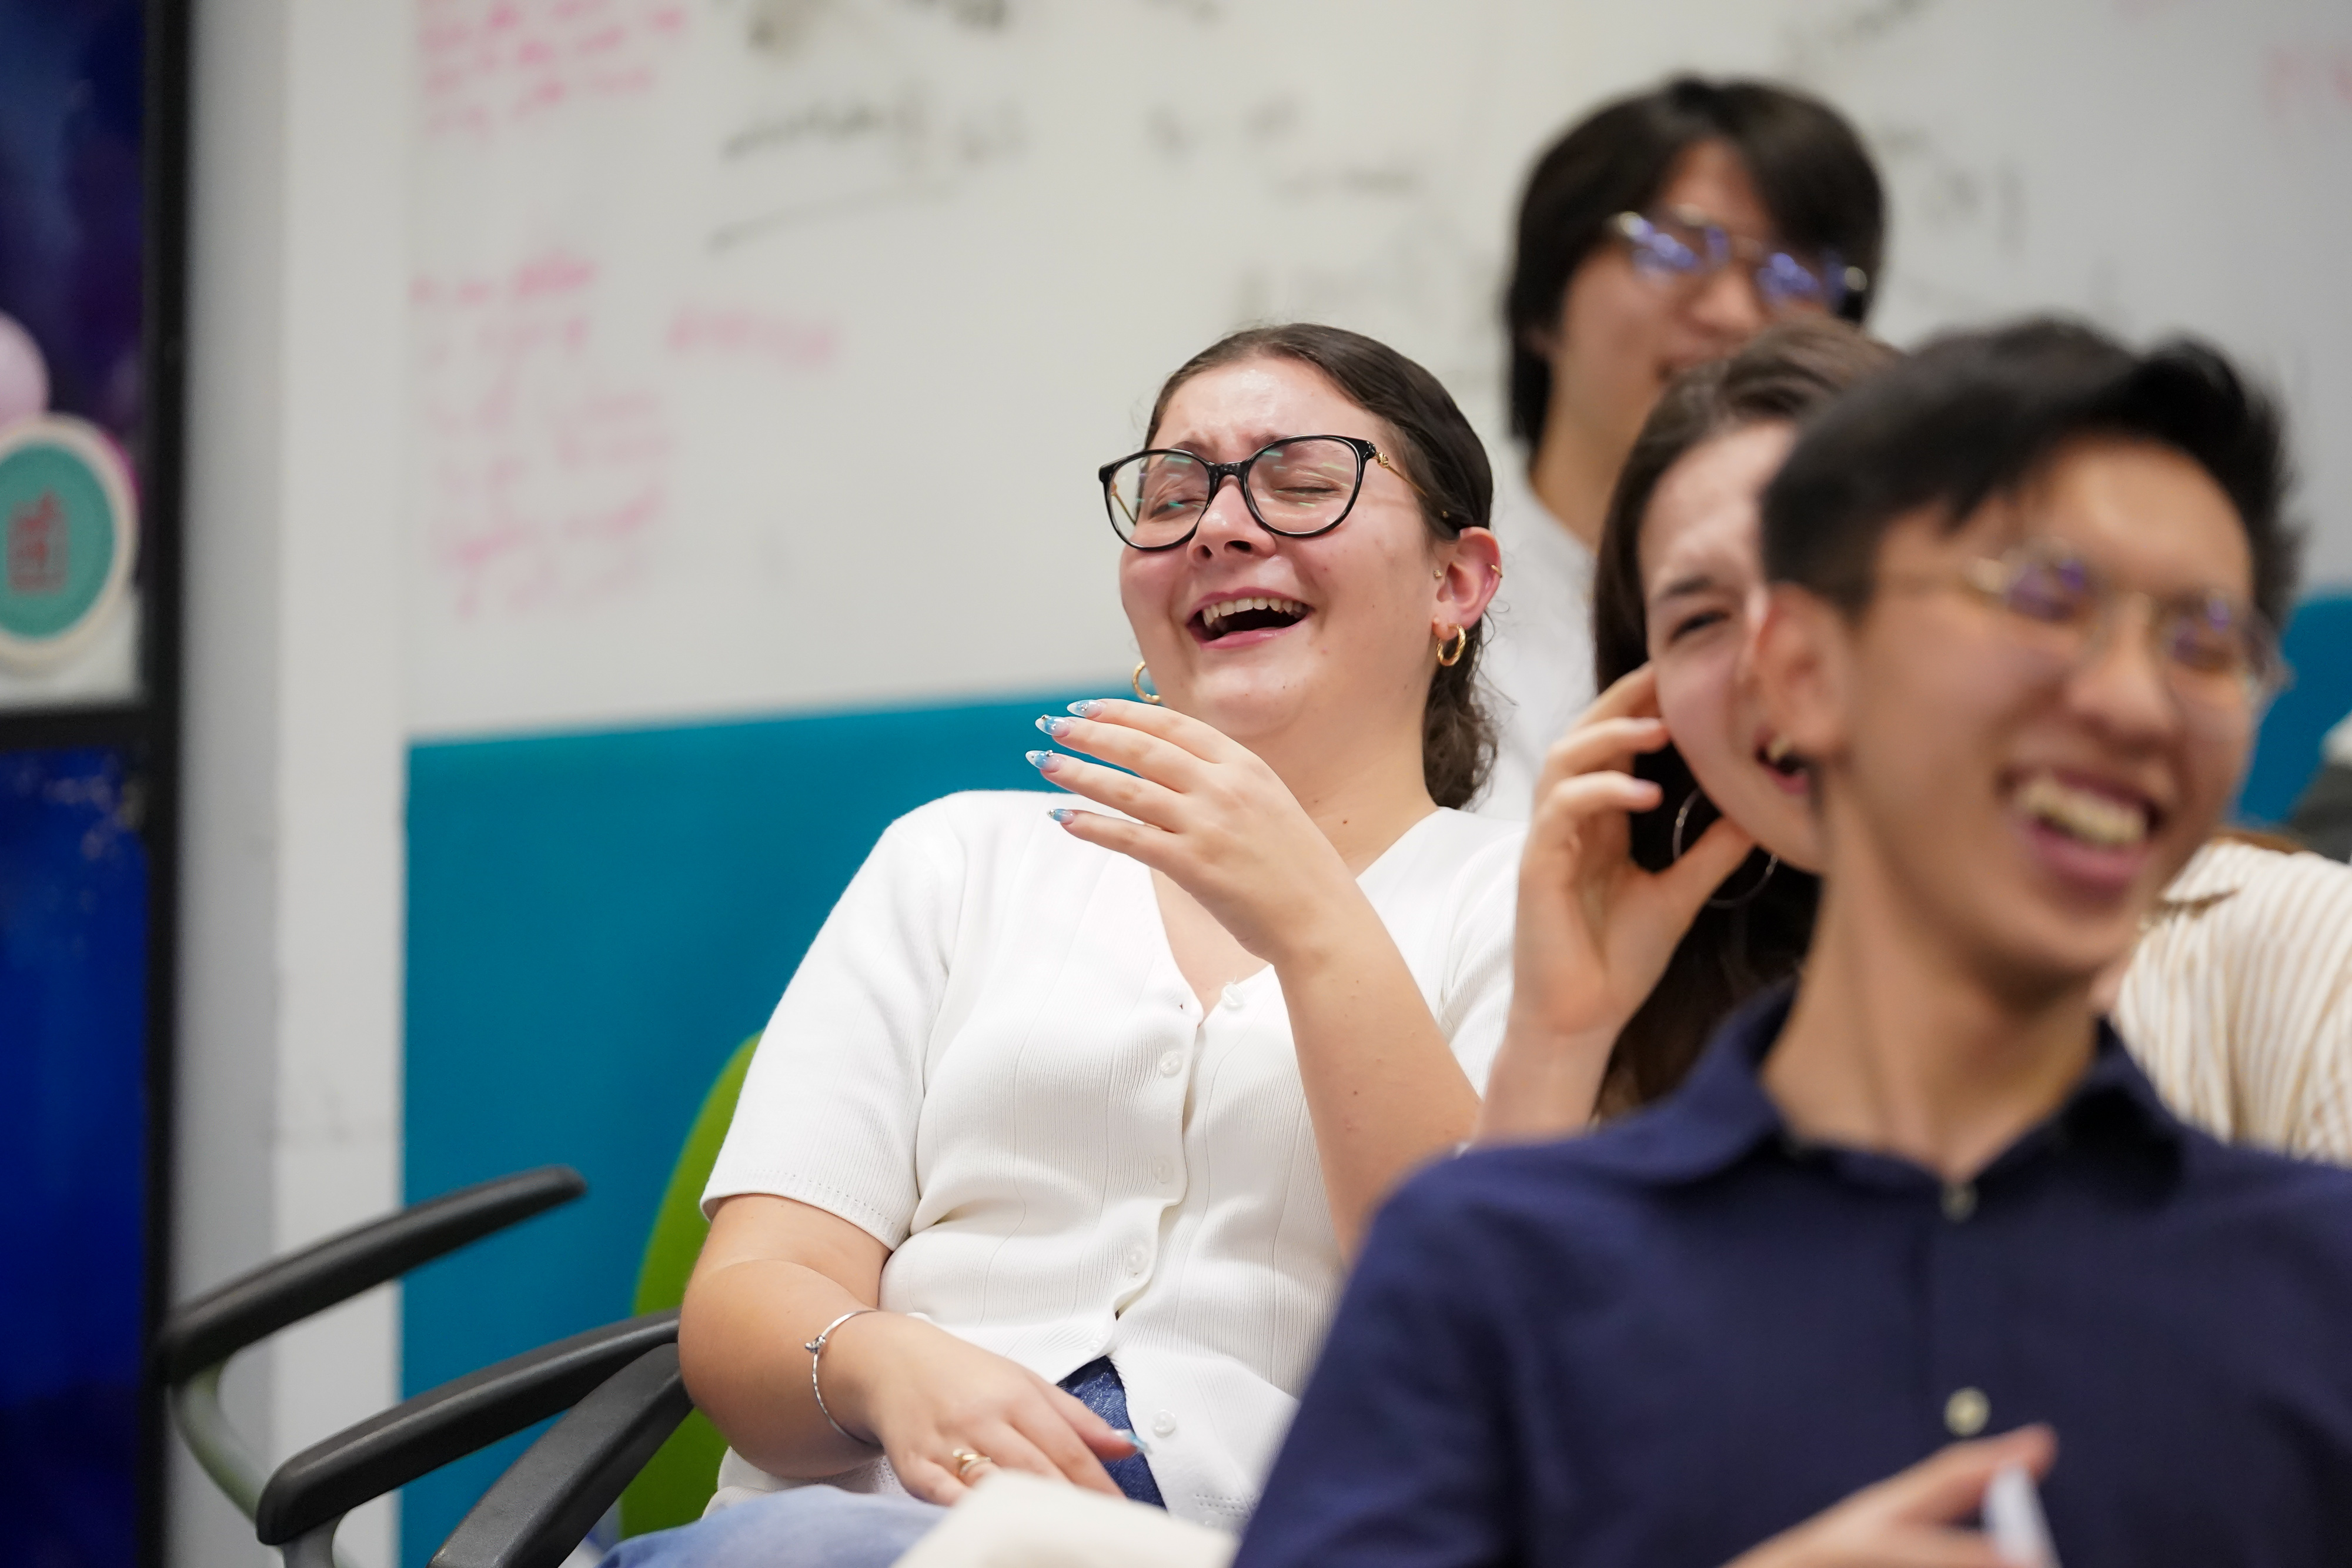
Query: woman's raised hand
x: 1208, y: 815
x: 1595, y: 930
x: 926, y: 1396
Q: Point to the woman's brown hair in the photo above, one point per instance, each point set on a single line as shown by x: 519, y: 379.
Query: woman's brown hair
x: 1447, y: 462
x: 1757, y: 936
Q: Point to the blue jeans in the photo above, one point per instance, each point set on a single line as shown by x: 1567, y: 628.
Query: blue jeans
x: 1099, y: 1388
x: 807, y: 1527
x: 824, y: 1527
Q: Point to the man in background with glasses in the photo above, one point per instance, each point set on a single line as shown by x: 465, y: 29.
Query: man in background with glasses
x: 1916, y: 1239
x: 1662, y: 231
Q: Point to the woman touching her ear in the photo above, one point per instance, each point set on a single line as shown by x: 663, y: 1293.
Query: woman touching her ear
x: 1652, y: 904
x: 2236, y: 1000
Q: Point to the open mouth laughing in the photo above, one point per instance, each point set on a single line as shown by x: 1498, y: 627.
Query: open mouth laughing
x: 1241, y: 620
x: 2091, y: 832
x: 1787, y: 768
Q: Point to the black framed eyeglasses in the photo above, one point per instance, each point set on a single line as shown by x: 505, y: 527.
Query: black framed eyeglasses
x: 1683, y: 246
x: 1297, y: 487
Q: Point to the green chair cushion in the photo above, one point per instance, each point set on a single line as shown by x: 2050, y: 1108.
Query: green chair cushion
x: 676, y: 1485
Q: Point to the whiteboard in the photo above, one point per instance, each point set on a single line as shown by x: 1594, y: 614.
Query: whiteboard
x: 764, y: 350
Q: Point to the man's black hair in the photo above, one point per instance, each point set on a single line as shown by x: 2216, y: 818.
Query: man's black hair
x: 1978, y: 414
x: 1808, y: 165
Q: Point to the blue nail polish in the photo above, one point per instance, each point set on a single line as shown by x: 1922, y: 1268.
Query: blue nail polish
x: 1042, y: 761
x: 1060, y: 813
x: 1085, y: 708
x: 1056, y: 727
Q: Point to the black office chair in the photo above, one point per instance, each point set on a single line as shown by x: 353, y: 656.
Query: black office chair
x: 620, y: 1383
x: 548, y: 1499
x: 200, y: 1336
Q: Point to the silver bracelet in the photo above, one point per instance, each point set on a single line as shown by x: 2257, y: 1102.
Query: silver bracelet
x: 815, y: 1348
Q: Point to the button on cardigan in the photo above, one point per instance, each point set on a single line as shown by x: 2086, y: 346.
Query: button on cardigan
x: 989, y: 1061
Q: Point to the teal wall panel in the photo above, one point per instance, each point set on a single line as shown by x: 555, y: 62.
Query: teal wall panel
x: 2318, y: 648
x: 595, y: 921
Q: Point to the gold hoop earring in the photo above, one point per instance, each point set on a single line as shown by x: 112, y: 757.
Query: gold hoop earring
x: 1136, y: 680
x: 1459, y: 642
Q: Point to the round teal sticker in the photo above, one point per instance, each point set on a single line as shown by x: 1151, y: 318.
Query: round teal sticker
x: 66, y: 536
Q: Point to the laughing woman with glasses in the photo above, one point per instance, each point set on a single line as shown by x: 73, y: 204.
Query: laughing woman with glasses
x: 1662, y: 231
x: 1054, y: 1152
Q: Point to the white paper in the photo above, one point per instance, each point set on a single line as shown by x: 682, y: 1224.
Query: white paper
x: 2012, y: 1517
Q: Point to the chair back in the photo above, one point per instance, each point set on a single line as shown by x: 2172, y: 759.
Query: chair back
x: 676, y: 1483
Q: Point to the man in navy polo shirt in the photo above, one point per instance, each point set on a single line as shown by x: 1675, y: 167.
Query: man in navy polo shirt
x: 2018, y: 634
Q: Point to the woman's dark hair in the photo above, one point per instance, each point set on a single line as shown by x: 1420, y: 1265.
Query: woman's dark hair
x: 1444, y: 457
x: 1978, y: 414
x: 1786, y: 372
x: 1808, y: 165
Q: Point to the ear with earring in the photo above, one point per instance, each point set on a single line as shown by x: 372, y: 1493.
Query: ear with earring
x: 1136, y: 680
x: 1455, y: 640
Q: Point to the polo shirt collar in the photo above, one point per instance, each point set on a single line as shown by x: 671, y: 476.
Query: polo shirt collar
x: 1721, y: 1113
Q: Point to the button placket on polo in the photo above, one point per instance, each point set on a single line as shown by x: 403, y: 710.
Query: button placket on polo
x: 1965, y: 1313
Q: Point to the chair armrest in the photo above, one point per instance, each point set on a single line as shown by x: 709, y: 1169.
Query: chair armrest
x: 328, y: 1479
x: 554, y: 1495
x: 213, y: 1327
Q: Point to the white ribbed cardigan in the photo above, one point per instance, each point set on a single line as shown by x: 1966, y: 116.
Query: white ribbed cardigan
x: 991, y: 1063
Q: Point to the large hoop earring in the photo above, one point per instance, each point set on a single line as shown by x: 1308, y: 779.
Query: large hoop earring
x: 1459, y: 642
x: 1136, y: 680
x: 1682, y: 819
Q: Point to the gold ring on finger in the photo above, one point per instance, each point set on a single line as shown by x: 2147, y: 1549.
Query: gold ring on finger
x: 966, y: 1460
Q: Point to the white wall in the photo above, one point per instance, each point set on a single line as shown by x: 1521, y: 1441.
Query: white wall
x: 289, y: 1110
x: 766, y: 350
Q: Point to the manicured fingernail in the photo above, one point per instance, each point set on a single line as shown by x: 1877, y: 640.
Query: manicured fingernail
x: 1056, y: 727
x: 1042, y: 761
x: 1140, y: 1446
x: 1085, y: 708
x: 1060, y: 813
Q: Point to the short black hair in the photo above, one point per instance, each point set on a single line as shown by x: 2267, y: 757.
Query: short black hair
x: 1978, y: 415
x: 1809, y: 166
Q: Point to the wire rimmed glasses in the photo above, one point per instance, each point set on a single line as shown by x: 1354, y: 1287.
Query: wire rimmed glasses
x: 1297, y: 487
x: 1683, y: 246
x: 2218, y: 657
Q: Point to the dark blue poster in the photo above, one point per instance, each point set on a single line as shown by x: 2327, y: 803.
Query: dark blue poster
x: 72, y: 261
x: 75, y: 1126
x: 73, y: 964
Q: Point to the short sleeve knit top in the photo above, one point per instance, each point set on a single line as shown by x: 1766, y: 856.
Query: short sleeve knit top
x: 989, y: 1061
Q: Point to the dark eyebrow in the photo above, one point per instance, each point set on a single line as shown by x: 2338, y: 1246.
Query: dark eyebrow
x: 1256, y: 444
x: 1697, y: 583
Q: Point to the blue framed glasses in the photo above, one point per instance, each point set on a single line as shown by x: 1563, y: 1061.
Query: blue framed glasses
x: 1680, y: 247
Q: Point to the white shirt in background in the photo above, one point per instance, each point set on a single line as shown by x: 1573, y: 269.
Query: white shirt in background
x: 989, y: 1061
x: 2238, y: 999
x: 1538, y: 661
